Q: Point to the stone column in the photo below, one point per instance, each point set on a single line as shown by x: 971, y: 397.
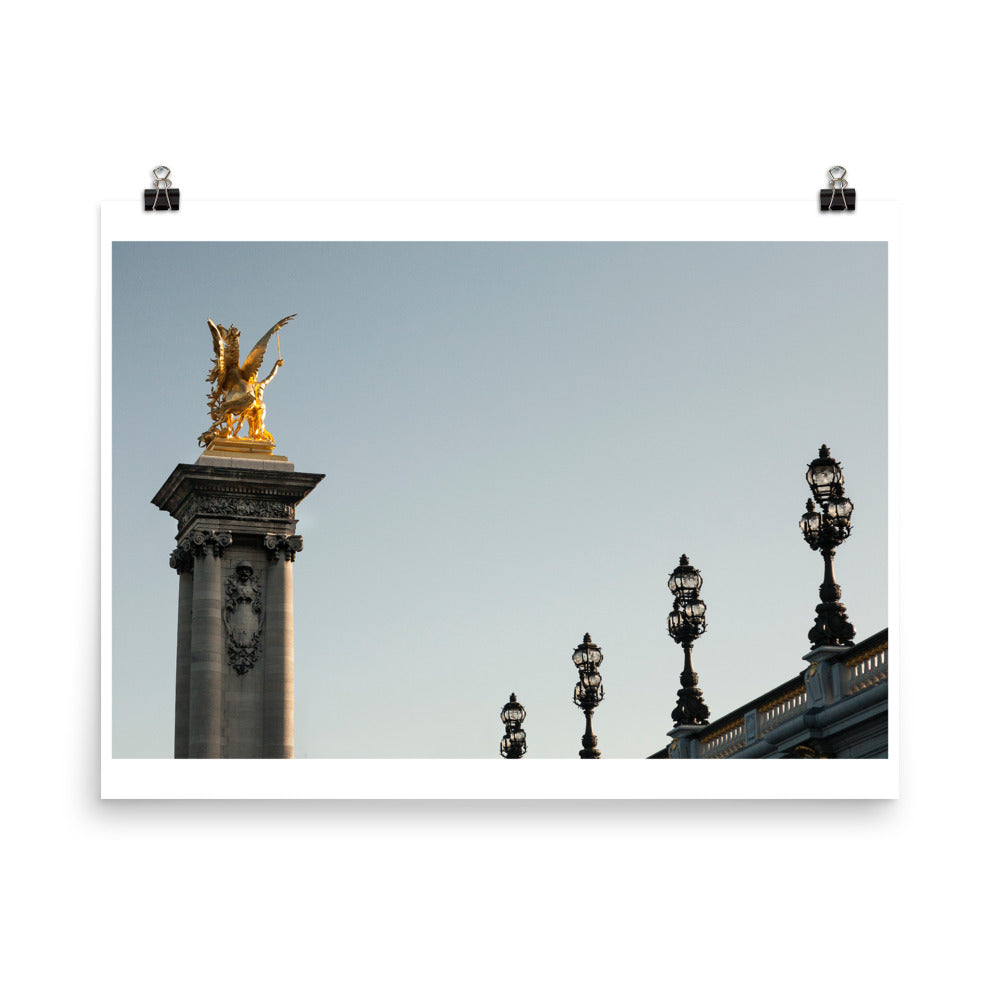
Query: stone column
x: 207, y: 647
x: 183, y: 562
x: 235, y: 660
x: 279, y: 647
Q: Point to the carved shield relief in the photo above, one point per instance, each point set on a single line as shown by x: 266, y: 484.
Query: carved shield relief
x: 243, y: 617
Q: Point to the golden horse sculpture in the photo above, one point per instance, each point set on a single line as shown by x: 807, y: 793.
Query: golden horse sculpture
x: 237, y: 397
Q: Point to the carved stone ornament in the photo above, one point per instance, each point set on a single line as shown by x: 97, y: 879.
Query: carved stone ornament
x: 245, y: 507
x: 182, y: 561
x: 282, y: 545
x: 814, y: 686
x: 243, y: 617
x: 200, y: 543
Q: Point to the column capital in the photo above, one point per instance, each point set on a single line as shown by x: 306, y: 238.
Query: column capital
x: 200, y: 543
x: 182, y: 561
x: 277, y: 546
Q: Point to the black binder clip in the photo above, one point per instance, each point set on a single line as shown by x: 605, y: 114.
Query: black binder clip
x: 839, y: 197
x: 163, y: 197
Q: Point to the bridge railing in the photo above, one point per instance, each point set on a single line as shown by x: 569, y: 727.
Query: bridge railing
x: 773, y: 712
x: 865, y: 669
x: 725, y: 742
x: 859, y: 668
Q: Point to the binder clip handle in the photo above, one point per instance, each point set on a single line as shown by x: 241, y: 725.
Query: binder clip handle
x: 838, y: 187
x: 162, y: 185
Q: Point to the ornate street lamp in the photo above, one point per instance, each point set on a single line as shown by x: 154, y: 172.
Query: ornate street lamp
x: 824, y: 529
x: 514, y: 744
x: 589, y: 691
x: 685, y: 623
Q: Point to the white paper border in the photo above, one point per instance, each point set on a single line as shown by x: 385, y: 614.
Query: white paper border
x: 498, y: 779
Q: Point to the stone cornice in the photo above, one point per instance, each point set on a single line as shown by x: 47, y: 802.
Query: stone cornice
x: 228, y: 493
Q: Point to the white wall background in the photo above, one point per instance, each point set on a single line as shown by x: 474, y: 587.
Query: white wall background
x: 461, y: 100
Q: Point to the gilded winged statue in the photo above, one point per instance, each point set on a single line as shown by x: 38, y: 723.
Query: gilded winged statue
x: 237, y: 397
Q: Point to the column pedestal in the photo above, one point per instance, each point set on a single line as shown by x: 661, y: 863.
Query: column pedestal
x: 236, y: 544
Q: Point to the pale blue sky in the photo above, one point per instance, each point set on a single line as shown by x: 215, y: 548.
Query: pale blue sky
x: 519, y: 441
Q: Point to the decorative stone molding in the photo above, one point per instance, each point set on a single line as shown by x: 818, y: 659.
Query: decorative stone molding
x: 181, y: 560
x: 277, y: 546
x: 200, y: 543
x: 230, y: 506
x: 813, y: 677
x: 243, y: 617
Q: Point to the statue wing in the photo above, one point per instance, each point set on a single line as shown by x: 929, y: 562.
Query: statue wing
x: 221, y: 347
x: 256, y: 357
x: 230, y: 360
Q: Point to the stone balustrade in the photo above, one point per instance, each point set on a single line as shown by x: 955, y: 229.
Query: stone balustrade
x: 778, y: 710
x: 725, y: 742
x: 865, y: 669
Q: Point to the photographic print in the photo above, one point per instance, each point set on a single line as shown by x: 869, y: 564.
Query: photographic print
x: 495, y: 500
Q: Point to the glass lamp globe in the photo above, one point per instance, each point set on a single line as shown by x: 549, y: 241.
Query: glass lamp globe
x: 811, y: 523
x: 685, y: 581
x: 694, y: 612
x: 840, y: 507
x: 823, y: 474
x: 587, y: 655
x: 512, y: 714
x: 674, y: 621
